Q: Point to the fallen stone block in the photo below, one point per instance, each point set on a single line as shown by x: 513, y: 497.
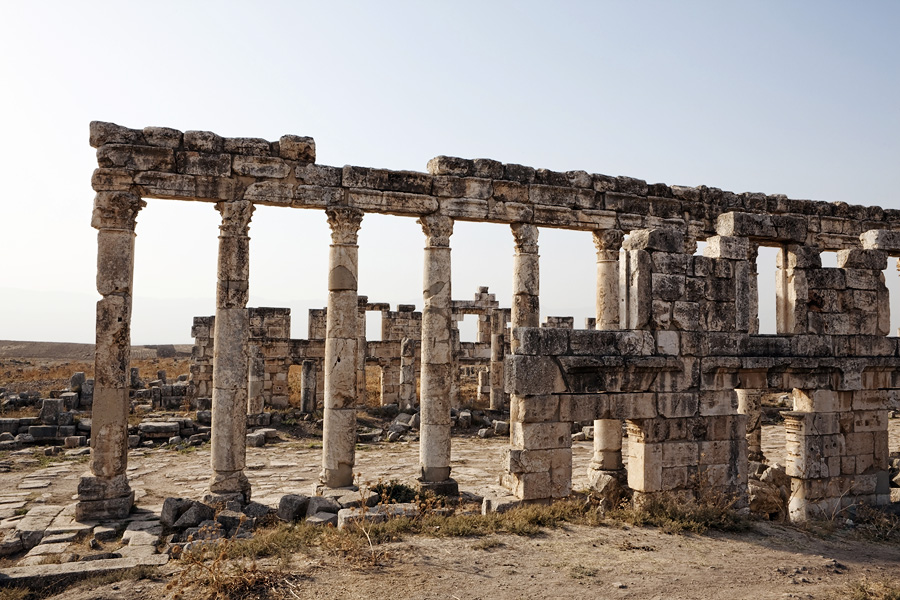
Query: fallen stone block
x: 292, y: 506
x: 322, y: 518
x: 319, y: 504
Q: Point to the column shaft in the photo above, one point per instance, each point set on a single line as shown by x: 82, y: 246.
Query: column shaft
x: 341, y: 350
x: 499, y: 397
x: 608, y: 243
x: 230, y: 354
x: 308, y: 386
x: 104, y: 492
x: 437, y: 359
x: 407, y: 374
x: 526, y: 310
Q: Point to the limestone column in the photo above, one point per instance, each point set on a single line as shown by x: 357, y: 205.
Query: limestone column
x: 437, y: 359
x: 608, y: 243
x: 753, y: 321
x: 526, y: 310
x: 104, y: 493
x: 341, y: 349
x: 407, y: 398
x: 605, y: 473
x: 308, y: 386
x: 256, y: 380
x: 230, y: 354
x: 361, y: 387
x: 499, y: 397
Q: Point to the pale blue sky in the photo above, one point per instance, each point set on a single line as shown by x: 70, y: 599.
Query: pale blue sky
x: 799, y: 98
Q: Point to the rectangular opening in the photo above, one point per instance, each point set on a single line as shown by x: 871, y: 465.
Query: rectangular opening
x: 766, y: 295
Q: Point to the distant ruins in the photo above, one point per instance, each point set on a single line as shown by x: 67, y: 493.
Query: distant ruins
x: 675, y: 352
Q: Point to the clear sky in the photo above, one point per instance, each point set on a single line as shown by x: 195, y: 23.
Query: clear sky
x: 799, y: 98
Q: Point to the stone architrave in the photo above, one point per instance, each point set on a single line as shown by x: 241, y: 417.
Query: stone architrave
x: 230, y: 354
x: 526, y: 310
x: 437, y: 360
x: 104, y: 493
x: 341, y: 352
x: 608, y: 243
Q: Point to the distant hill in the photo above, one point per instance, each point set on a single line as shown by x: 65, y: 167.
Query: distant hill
x: 71, y: 351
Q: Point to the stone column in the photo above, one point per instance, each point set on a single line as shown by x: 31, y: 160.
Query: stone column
x: 499, y: 397
x: 605, y: 473
x: 407, y: 398
x: 104, y: 493
x: 753, y: 300
x: 437, y: 359
x: 341, y: 349
x: 361, y: 387
x: 749, y: 403
x: 308, y: 386
x: 255, y: 380
x: 608, y: 243
x: 230, y: 354
x: 526, y: 310
x: 455, y: 349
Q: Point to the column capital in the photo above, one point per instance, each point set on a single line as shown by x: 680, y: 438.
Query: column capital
x: 116, y: 210
x: 345, y: 223
x: 526, y: 237
x: 235, y: 217
x: 437, y: 228
x: 608, y: 240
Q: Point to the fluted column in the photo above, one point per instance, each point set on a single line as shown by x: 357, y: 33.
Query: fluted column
x: 608, y: 244
x: 437, y: 359
x: 230, y: 354
x: 526, y: 309
x: 341, y: 349
x: 104, y: 492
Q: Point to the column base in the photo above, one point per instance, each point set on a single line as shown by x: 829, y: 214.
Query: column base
x: 230, y: 486
x: 103, y: 498
x: 448, y: 487
x: 337, y: 478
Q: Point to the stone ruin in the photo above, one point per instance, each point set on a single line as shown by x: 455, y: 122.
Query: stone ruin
x: 396, y: 354
x: 674, y: 351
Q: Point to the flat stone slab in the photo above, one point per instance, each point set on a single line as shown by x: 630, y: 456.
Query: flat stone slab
x: 44, y: 574
x: 34, y: 484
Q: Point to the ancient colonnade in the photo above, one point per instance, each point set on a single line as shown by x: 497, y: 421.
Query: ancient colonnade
x: 675, y: 353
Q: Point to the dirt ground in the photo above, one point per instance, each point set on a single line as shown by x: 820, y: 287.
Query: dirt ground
x: 612, y: 561
x: 771, y: 560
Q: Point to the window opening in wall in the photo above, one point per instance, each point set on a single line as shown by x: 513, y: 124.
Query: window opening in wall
x: 766, y: 259
x: 374, y: 376
x: 295, y: 378
x: 373, y: 325
x: 829, y: 260
x: 468, y: 328
x: 892, y: 281
x: 701, y: 246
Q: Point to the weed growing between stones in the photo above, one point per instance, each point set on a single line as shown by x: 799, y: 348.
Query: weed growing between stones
x: 673, y: 513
